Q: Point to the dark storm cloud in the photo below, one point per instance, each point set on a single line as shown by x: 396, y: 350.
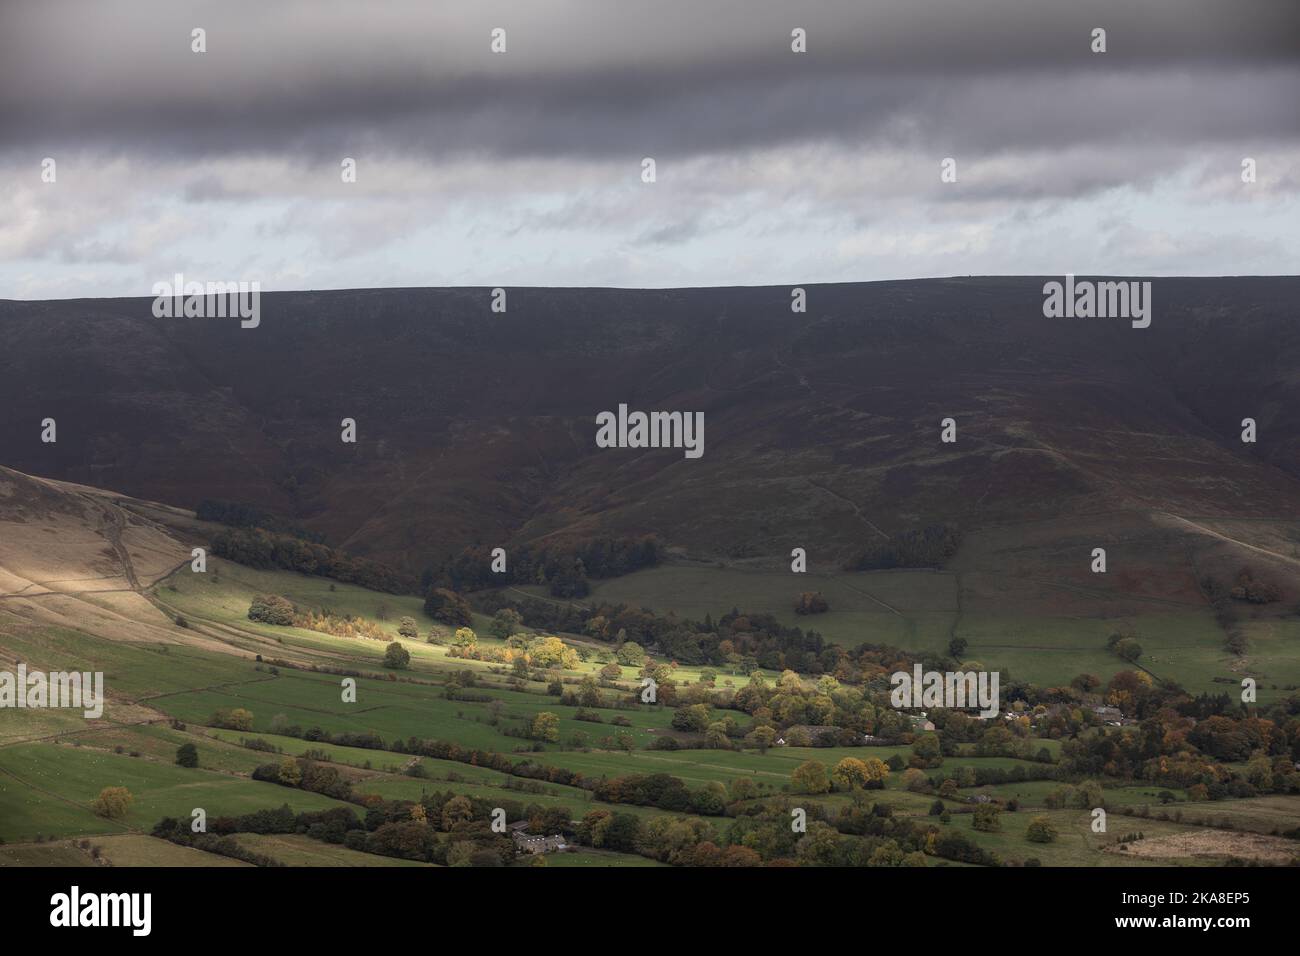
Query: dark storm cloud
x: 667, y: 78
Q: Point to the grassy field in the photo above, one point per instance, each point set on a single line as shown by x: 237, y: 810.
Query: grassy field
x: 294, y: 850
x: 136, y: 849
x: 53, y: 764
x: 919, y: 611
x: 48, y: 790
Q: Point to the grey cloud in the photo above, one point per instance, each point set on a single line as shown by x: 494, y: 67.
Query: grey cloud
x: 599, y: 78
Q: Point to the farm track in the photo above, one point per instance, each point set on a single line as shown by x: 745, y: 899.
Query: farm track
x: 136, y: 587
x: 1231, y: 540
x: 851, y: 503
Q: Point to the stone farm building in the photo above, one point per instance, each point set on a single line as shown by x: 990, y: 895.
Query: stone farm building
x: 527, y: 843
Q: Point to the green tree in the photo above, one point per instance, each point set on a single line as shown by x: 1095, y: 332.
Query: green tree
x: 271, y: 609
x: 692, y: 719
x: 187, y: 755
x: 1128, y: 649
x: 396, y: 656
x: 631, y: 654
x: 763, y: 738
x: 1040, y: 830
x: 408, y: 629
x: 448, y: 607
x: 927, y: 751
x: 505, y: 622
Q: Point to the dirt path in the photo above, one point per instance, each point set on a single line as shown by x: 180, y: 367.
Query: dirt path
x: 1223, y: 537
x: 551, y: 600
x: 867, y: 594
x: 851, y: 503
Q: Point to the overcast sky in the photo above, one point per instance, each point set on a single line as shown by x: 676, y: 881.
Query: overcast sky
x: 524, y: 167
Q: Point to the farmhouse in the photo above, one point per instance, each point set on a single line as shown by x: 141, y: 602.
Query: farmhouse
x: 811, y: 735
x: 540, y: 844
x: 527, y: 843
x: 1113, y: 717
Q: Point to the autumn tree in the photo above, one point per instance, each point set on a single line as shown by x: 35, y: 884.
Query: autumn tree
x: 113, y: 802
x: 457, y: 810
x: 851, y: 772
x: 986, y: 817
x: 611, y: 671
x: 810, y: 777
x: 546, y: 727
x: 811, y: 602
x: 290, y: 772
x: 236, y: 719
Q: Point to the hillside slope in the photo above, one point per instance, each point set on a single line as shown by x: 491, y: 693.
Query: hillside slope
x: 822, y: 430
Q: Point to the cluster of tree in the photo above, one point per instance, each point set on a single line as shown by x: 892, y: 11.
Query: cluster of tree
x: 524, y: 652
x: 1171, y: 748
x: 984, y: 776
x: 448, y: 607
x: 277, y: 610
x: 1124, y: 646
x: 281, y: 726
x: 305, y: 774
x: 236, y: 718
x: 564, y: 569
x: 1225, y: 614
x: 176, y: 831
x: 272, y: 609
x: 927, y: 547
x: 663, y: 791
x: 1248, y: 588
x: 739, y: 642
x: 257, y: 548
x: 448, y: 750
x: 339, y: 625
x: 861, y: 834
x: 824, y: 712
x: 239, y: 514
x: 442, y: 828
x: 811, y: 602
x: 760, y: 833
